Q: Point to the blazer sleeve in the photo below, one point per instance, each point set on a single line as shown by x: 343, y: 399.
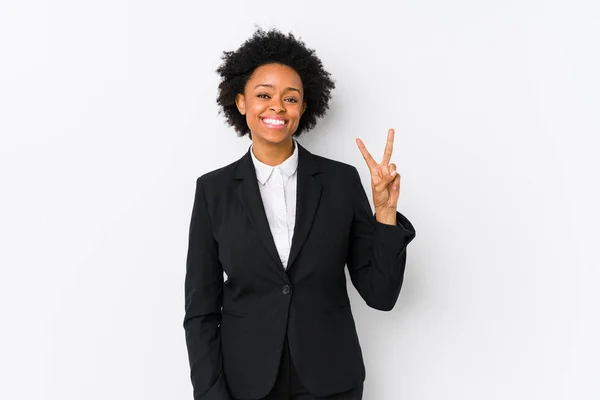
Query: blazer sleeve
x: 377, y: 252
x: 203, y: 300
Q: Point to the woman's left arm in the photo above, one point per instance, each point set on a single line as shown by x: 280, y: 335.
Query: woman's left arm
x: 377, y: 254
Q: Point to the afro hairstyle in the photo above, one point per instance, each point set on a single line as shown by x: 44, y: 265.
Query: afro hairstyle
x: 266, y: 48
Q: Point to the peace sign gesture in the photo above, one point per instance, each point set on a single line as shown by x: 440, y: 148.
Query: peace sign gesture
x: 385, y: 181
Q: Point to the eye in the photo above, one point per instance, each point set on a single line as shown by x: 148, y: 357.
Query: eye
x: 262, y: 95
x: 291, y: 99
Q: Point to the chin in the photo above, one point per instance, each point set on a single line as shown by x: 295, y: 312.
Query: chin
x: 274, y: 137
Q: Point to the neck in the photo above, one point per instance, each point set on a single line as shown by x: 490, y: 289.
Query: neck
x: 272, y: 153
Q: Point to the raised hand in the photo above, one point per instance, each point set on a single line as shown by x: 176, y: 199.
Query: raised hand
x: 385, y: 181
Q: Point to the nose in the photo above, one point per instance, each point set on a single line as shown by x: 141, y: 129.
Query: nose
x: 277, y: 105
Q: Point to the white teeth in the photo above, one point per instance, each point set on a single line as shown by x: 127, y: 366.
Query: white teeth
x: 274, y: 121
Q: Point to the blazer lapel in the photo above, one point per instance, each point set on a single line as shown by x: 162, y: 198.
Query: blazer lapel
x: 308, y: 194
x: 251, y: 200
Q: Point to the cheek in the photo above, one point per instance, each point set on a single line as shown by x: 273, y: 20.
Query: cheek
x: 255, y: 109
x: 295, y: 113
x: 252, y: 115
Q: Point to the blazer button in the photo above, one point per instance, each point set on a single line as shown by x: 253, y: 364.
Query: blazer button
x: 286, y: 289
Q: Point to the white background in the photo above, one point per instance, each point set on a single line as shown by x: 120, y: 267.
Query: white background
x: 108, y: 115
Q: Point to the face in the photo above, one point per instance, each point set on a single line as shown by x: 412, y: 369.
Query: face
x: 273, y: 102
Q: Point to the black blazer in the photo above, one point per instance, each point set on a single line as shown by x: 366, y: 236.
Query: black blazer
x: 235, y: 329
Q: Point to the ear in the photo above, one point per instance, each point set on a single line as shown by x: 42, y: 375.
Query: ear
x: 303, y: 108
x: 240, y: 102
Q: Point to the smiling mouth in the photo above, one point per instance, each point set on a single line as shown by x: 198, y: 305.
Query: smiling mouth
x: 274, y: 123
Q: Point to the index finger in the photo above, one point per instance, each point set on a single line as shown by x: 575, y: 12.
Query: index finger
x: 389, y: 146
x: 366, y: 155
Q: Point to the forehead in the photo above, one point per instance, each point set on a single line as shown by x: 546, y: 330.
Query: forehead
x: 276, y: 75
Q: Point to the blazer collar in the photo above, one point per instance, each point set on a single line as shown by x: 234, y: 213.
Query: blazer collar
x: 307, y: 200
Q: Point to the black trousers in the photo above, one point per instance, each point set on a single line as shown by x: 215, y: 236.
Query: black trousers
x: 288, y: 386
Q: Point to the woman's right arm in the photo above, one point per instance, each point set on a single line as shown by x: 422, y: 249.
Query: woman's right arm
x: 203, y: 300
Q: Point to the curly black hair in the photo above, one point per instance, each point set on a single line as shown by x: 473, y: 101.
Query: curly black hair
x: 266, y: 48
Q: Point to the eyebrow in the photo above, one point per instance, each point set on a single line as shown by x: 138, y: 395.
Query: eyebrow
x: 271, y: 86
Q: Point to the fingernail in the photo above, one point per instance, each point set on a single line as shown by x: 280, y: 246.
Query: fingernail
x: 392, y: 173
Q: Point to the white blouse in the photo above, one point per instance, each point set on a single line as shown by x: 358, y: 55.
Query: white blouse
x: 278, y: 186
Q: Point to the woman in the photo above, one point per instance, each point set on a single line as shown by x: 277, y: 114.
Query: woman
x: 282, y: 223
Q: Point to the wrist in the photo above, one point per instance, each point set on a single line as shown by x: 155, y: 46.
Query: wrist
x: 386, y: 216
